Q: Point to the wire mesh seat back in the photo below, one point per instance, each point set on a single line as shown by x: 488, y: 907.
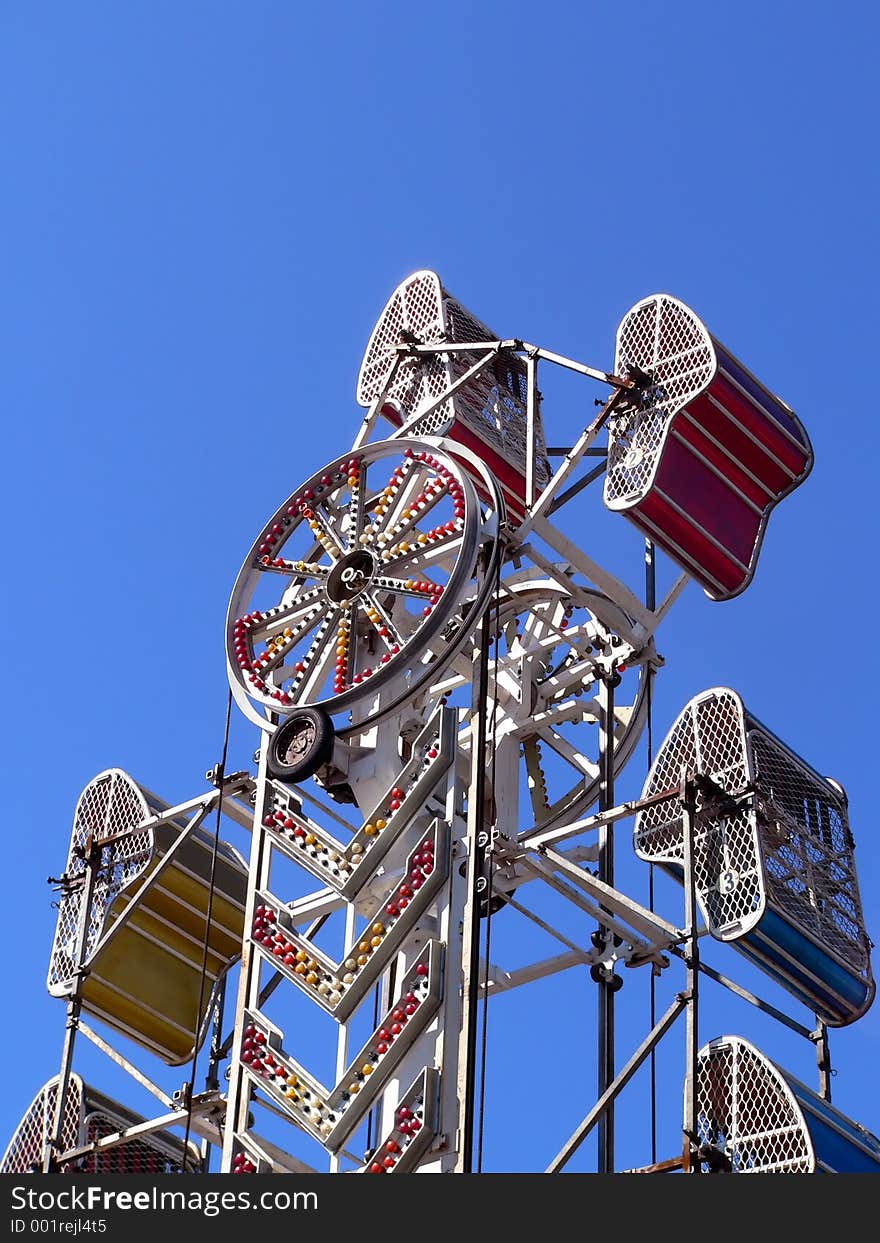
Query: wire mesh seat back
x: 775, y: 868
x: 138, y: 917
x: 700, y: 463
x: 755, y: 1118
x: 88, y: 1116
x: 110, y: 807
x: 489, y: 410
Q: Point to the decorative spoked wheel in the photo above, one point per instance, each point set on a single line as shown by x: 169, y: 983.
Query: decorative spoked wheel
x: 353, y: 596
x: 550, y: 651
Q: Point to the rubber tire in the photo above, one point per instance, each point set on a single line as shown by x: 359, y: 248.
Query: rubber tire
x: 318, y: 753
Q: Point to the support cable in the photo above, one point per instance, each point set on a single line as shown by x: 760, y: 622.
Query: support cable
x: 651, y: 603
x: 477, y: 810
x: 653, y: 979
x: 220, y: 777
x: 485, y: 1031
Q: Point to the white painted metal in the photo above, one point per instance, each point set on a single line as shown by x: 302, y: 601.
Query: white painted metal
x: 330, y: 576
x: 356, y: 582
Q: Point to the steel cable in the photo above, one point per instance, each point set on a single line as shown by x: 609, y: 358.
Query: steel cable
x: 221, y: 773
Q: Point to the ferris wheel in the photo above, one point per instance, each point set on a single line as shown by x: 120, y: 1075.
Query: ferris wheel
x: 445, y: 686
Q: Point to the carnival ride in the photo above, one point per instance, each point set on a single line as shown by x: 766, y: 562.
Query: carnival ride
x: 444, y: 686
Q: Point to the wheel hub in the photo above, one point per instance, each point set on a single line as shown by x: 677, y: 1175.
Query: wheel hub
x: 299, y: 744
x: 351, y: 575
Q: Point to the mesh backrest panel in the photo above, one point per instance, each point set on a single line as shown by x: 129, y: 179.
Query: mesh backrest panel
x: 788, y: 844
x: 665, y: 339
x: 493, y: 402
x: 658, y: 832
x: 110, y: 804
x: 414, y: 314
x: 808, y: 851
x: 145, y: 1155
x: 708, y: 738
x: 745, y: 1110
x: 25, y: 1151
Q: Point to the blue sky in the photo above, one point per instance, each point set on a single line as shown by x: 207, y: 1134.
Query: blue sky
x: 205, y: 206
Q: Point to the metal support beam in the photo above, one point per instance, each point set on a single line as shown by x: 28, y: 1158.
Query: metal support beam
x: 569, y: 463
x: 751, y: 998
x: 74, y: 1005
x: 202, y: 1106
x: 613, y: 587
x: 823, y: 1058
x: 492, y: 349
x: 533, y: 839
x: 53, y: 1144
x: 643, y: 950
x: 238, y: 1098
x: 375, y: 408
x: 661, y: 933
x: 570, y: 493
x: 476, y: 847
x: 125, y: 1064
x: 616, y: 1086
x: 501, y: 981
x: 607, y: 984
x: 531, y: 420
x: 690, y: 1139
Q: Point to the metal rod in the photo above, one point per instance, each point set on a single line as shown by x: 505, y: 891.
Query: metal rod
x: 375, y: 407
x: 650, y: 575
x: 823, y: 1058
x: 212, y: 1080
x: 135, y: 1131
x: 569, y: 462
x: 471, y: 943
x: 613, y: 901
x: 592, y: 906
x: 578, y: 560
x: 492, y: 349
x: 616, y: 1086
x: 92, y: 862
x: 562, y: 450
x: 531, y: 418
x: 518, y: 347
x: 575, y: 488
x: 501, y: 981
x: 607, y: 984
x: 671, y: 596
x: 459, y: 347
x: 651, y: 603
x: 690, y: 1141
x: 542, y: 923
x: 125, y: 1064
x: 621, y: 811
x: 239, y: 1092
x: 53, y: 1144
x: 212, y: 1076
x: 744, y: 993
x: 606, y: 377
